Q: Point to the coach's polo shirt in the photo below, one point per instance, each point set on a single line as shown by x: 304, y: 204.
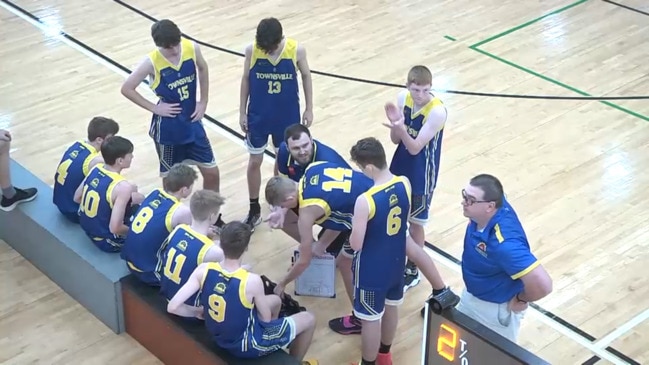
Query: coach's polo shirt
x: 287, y: 166
x: 495, y: 258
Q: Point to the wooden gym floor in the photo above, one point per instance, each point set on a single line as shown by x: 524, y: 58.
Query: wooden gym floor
x: 575, y: 170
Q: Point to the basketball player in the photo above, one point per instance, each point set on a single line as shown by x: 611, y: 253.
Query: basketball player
x: 189, y: 246
x: 270, y: 99
x: 160, y: 212
x: 238, y: 314
x: 11, y: 195
x: 378, y: 237
x: 417, y: 126
x: 176, y: 126
x: 76, y: 162
x: 107, y: 200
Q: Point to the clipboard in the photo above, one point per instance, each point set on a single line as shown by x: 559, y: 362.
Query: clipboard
x: 319, y: 279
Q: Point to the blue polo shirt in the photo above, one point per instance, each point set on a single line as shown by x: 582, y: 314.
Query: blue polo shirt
x: 495, y: 259
x: 294, y: 171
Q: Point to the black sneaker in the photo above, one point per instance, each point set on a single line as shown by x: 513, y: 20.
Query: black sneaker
x: 446, y: 299
x: 218, y: 226
x: 22, y: 196
x: 411, y: 278
x: 253, y: 220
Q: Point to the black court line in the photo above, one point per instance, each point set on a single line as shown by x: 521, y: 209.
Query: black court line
x: 591, y: 361
x: 271, y: 154
x: 381, y: 83
x: 627, y: 7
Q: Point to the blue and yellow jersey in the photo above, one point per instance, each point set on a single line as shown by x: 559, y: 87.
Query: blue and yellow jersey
x: 290, y: 168
x: 495, y: 259
x: 150, y: 228
x: 228, y: 313
x: 97, y: 202
x: 184, y: 250
x: 175, y: 84
x: 273, y: 85
x: 335, y: 189
x: 72, y: 169
x: 384, y: 247
x: 422, y: 168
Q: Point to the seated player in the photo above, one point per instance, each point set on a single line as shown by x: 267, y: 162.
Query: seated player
x: 76, y: 162
x: 188, y: 246
x: 379, y: 231
x: 107, y: 200
x: 238, y: 314
x: 11, y: 195
x: 160, y: 212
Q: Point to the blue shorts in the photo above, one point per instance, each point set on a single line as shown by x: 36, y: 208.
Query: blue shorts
x: 259, y: 130
x: 72, y: 217
x: 198, y: 152
x: 370, y: 302
x: 265, y: 338
x: 148, y: 278
x: 110, y: 245
x: 419, y: 208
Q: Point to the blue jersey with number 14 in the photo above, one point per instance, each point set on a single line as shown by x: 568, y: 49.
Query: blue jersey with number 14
x: 71, y: 171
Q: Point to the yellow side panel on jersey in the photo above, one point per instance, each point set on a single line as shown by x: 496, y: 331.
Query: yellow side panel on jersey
x: 288, y: 53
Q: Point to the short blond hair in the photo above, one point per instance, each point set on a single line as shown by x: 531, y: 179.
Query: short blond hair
x: 203, y: 203
x: 420, y: 75
x: 278, y: 188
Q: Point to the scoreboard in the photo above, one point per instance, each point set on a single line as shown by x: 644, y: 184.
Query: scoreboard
x: 451, y: 337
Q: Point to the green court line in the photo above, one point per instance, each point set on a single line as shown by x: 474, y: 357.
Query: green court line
x: 518, y: 27
x: 450, y: 38
x: 559, y: 83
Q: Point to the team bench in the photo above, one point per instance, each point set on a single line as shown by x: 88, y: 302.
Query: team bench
x: 176, y: 340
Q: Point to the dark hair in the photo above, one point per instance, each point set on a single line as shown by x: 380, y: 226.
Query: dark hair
x: 165, y: 33
x: 179, y: 176
x: 115, y: 147
x: 369, y: 151
x: 269, y: 34
x: 491, y: 188
x: 100, y: 127
x: 294, y: 131
x: 235, y: 237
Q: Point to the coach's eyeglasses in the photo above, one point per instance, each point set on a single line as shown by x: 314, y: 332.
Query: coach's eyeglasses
x: 469, y: 200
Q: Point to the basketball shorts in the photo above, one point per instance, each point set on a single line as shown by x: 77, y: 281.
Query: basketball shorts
x: 110, y: 244
x: 340, y: 244
x: 370, y: 300
x: 72, y: 217
x: 266, y: 338
x: 259, y: 130
x: 419, y: 208
x: 148, y: 278
x: 198, y: 152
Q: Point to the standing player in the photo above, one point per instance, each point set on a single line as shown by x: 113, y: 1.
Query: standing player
x: 379, y: 231
x: 11, y: 195
x: 107, y: 200
x: 76, y: 162
x: 160, y: 212
x: 238, y: 314
x: 176, y: 126
x: 188, y: 246
x: 270, y: 99
x: 417, y: 126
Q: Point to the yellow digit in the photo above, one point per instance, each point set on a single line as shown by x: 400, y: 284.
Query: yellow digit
x: 90, y: 202
x: 141, y: 219
x: 394, y: 221
x: 177, y: 262
x: 216, y: 307
x: 342, y: 179
x: 183, y: 92
x: 274, y: 87
x: 447, y: 342
x: 62, y: 171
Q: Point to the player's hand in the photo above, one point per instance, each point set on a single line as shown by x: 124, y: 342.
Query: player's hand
x: 211, y: 233
x: 392, y: 112
x: 167, y: 110
x: 243, y: 123
x: 517, y: 306
x: 199, y: 313
x: 276, y: 218
x: 279, y: 290
x: 307, y: 118
x: 5, y: 135
x: 199, y: 112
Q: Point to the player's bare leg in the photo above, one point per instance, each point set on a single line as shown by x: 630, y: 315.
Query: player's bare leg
x: 304, y: 327
x: 253, y: 174
x: 370, y: 339
x: 344, y: 265
x: 211, y: 178
x: 418, y: 235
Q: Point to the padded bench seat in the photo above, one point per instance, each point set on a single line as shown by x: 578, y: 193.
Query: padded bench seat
x: 173, y: 339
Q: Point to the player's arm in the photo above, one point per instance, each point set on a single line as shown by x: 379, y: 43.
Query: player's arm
x: 182, y: 215
x: 305, y: 222
x: 144, y: 69
x: 307, y: 82
x: 255, y: 290
x: 96, y: 160
x: 244, y: 91
x: 516, y: 259
x: 214, y: 254
x: 177, y: 304
x: 77, y: 193
x: 203, y: 74
x: 434, y: 123
x: 122, y: 192
x: 401, y: 100
x: 359, y: 223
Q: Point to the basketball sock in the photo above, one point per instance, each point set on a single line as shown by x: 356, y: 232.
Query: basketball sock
x: 438, y: 291
x: 365, y: 362
x: 384, y: 349
x: 255, y: 208
x: 9, y: 192
x: 411, y: 265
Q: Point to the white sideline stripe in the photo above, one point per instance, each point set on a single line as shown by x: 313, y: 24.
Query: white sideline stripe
x: 57, y: 34
x: 623, y: 329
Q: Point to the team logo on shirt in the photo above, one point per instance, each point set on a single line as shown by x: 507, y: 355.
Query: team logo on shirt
x: 481, y: 248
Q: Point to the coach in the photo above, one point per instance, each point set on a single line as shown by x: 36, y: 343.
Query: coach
x: 500, y: 272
